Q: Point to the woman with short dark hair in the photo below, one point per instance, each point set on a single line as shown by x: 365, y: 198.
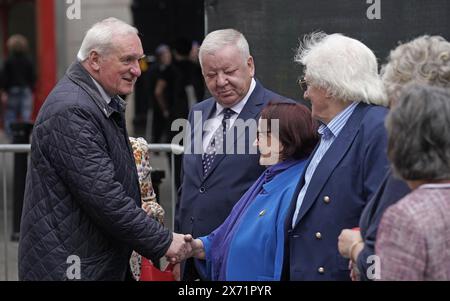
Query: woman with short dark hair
x: 413, y: 237
x: 249, y: 245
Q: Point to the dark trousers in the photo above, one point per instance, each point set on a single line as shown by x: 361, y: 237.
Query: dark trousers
x: 190, y: 272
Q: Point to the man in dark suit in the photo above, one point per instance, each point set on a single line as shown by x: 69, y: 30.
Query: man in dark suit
x: 213, y: 180
x: 342, y: 83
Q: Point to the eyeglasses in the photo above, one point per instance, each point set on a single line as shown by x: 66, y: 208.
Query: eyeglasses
x: 303, y: 84
x: 258, y: 133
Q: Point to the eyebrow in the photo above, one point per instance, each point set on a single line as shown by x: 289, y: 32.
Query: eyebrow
x: 133, y: 56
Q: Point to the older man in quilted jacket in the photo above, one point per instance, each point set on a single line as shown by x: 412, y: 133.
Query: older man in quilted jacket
x: 82, y: 216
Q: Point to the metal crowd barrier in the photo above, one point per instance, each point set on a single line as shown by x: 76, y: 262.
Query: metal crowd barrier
x: 26, y: 148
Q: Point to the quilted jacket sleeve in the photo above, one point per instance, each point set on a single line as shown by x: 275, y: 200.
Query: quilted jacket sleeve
x: 79, y: 152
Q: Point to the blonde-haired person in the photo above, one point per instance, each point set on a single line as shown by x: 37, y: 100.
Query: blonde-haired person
x: 413, y: 238
x: 425, y: 60
x: 18, y: 82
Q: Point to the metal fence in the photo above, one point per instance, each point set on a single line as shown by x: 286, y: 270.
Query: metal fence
x: 26, y: 148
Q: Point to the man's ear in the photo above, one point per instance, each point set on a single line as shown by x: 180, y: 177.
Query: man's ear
x: 94, y: 60
x: 251, y: 65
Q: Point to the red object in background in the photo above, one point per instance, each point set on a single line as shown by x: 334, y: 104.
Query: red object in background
x: 356, y: 229
x: 150, y: 273
x: 46, y: 52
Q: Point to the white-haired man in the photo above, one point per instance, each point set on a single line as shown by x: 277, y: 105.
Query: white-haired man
x: 82, y: 215
x: 347, y: 97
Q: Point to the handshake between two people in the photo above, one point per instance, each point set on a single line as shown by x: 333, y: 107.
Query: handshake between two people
x: 184, y: 246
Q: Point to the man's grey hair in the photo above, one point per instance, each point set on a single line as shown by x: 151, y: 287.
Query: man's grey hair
x: 218, y: 39
x: 425, y: 59
x: 344, y: 67
x: 419, y: 133
x: 100, y: 36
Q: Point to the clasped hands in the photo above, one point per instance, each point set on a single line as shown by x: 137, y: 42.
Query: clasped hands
x: 184, y: 246
x: 350, y: 244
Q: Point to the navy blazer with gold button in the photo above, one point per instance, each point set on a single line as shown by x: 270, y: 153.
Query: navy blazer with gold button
x: 343, y: 182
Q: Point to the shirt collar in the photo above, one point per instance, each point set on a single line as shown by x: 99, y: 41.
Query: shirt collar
x: 435, y: 186
x: 335, y: 126
x: 237, y: 108
x: 102, y: 91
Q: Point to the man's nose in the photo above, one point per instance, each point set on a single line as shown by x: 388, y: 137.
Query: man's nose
x: 222, y: 80
x: 136, y: 69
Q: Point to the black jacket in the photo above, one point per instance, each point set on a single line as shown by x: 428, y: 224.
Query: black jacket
x: 18, y: 71
x: 390, y: 192
x: 82, y: 194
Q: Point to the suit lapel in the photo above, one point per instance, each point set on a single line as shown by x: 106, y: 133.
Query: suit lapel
x: 249, y: 111
x: 331, y: 159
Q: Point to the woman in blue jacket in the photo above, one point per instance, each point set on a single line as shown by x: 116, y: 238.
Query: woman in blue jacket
x: 249, y: 245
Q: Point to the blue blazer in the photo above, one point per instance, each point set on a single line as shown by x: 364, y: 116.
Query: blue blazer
x: 257, y: 248
x: 205, y: 201
x: 345, y: 179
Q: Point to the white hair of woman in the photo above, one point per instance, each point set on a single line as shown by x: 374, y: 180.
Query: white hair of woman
x: 424, y: 60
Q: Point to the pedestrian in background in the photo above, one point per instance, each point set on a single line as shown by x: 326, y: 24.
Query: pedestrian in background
x: 18, y: 82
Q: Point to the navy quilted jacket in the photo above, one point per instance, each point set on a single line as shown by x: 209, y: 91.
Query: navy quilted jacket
x: 82, y: 194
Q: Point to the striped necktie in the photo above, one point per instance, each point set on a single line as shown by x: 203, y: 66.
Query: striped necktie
x: 216, y: 141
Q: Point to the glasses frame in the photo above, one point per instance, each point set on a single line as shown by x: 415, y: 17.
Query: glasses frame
x: 258, y: 133
x: 303, y: 84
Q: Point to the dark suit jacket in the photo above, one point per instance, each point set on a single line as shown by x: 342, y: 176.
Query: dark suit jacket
x: 390, y: 191
x: 345, y: 179
x: 205, y: 202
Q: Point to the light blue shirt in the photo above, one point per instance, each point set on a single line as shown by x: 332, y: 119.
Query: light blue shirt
x: 328, y: 134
